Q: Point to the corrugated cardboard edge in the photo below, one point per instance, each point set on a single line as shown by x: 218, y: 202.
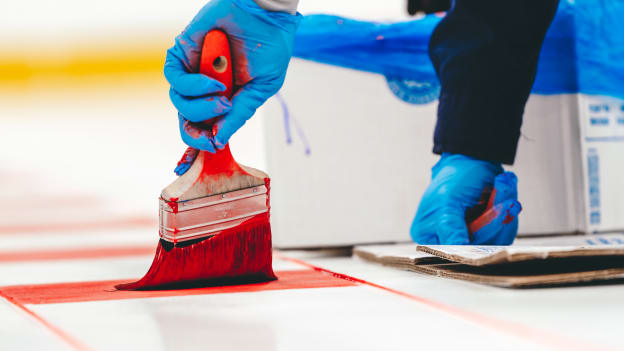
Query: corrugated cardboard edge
x: 440, y: 267
x: 533, y: 281
x: 499, y: 257
x: 505, y: 256
x: 395, y: 261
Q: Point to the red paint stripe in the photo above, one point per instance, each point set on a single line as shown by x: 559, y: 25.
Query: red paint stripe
x: 35, y: 201
x: 104, y: 290
x: 76, y: 254
x: 516, y: 329
x: 68, y: 339
x: 132, y: 222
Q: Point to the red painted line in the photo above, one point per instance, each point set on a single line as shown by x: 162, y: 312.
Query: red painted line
x: 132, y: 222
x: 522, y: 331
x: 36, y: 201
x: 68, y: 339
x: 104, y: 290
x: 76, y: 254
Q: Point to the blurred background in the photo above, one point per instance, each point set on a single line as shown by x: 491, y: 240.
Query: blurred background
x: 89, y: 135
x: 88, y: 138
x: 88, y: 132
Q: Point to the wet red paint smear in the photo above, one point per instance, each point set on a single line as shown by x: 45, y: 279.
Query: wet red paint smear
x: 173, y: 204
x: 267, y: 184
x: 78, y: 226
x: 486, y: 218
x: 75, y: 254
x: 508, y: 217
x: 104, y: 290
x: 241, y: 67
x: 218, y: 164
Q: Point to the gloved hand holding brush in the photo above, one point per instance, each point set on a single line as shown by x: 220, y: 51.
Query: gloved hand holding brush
x: 261, y: 43
x: 456, y: 210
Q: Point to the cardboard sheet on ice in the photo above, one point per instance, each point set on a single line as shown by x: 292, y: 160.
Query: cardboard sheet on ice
x: 528, y: 263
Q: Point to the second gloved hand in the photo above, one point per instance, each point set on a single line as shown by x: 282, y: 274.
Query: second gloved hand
x: 261, y: 43
x: 459, y: 192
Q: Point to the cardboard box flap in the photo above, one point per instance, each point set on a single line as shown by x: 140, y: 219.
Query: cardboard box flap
x: 573, y: 240
x: 397, y: 255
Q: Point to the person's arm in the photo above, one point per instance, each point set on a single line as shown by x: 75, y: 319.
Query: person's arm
x: 485, y: 53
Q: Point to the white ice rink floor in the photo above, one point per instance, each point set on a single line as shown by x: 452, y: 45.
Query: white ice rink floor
x: 79, y: 185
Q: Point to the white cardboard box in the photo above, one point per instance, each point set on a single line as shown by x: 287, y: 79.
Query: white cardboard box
x: 370, y: 159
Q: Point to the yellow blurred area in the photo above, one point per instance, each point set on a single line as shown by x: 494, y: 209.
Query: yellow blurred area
x: 113, y: 76
x: 18, y: 69
x: 104, y: 63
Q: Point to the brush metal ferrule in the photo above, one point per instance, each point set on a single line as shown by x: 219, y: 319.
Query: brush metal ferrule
x: 206, y: 216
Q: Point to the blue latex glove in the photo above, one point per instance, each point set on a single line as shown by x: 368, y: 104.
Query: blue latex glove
x: 261, y: 45
x: 186, y: 161
x: 460, y: 187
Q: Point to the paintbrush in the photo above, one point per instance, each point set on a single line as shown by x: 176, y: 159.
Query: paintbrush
x: 214, y: 219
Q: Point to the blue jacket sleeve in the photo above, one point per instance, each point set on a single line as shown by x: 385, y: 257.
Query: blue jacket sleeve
x: 485, y: 54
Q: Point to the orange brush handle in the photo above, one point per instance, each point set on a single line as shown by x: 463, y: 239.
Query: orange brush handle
x: 216, y: 61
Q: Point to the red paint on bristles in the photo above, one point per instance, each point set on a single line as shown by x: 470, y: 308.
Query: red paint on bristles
x: 243, y: 253
x: 173, y: 204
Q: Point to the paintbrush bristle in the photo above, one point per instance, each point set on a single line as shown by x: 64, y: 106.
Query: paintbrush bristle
x: 242, y: 252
